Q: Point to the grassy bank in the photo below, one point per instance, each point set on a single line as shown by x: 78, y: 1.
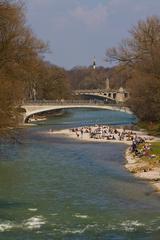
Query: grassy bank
x: 146, y: 167
x: 152, y: 158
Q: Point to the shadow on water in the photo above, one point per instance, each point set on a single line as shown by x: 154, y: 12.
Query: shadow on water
x: 5, y: 204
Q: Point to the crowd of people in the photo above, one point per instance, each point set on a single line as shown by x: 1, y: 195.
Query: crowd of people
x: 109, y: 133
x: 106, y: 132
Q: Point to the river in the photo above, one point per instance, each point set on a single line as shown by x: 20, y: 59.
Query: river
x: 57, y: 188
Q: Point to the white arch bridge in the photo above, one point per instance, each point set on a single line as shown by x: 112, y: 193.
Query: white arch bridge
x: 36, y: 107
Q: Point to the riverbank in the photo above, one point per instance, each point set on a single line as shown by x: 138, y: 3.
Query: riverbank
x: 146, y: 169
x: 104, y: 134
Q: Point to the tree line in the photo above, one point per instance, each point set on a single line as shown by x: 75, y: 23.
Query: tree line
x: 24, y: 74
x: 139, y: 56
x: 89, y: 78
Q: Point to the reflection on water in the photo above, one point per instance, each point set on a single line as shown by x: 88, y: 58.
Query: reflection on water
x: 53, y: 188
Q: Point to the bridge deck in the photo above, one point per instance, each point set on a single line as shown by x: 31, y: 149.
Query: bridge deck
x: 44, y: 106
x: 69, y: 102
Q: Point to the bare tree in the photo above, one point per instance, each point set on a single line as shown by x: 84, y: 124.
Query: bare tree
x: 140, y: 53
x: 19, y: 50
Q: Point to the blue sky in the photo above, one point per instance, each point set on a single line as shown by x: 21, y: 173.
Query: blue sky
x: 78, y: 30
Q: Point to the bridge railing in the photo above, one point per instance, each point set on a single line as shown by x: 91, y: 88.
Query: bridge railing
x: 94, y: 91
x: 70, y: 102
x: 89, y: 91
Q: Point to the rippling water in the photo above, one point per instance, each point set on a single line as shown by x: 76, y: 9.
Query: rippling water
x: 55, y: 188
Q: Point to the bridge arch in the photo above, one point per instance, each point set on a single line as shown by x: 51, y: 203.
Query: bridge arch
x: 35, y: 108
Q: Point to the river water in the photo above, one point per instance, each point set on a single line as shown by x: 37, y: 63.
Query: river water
x: 56, y: 188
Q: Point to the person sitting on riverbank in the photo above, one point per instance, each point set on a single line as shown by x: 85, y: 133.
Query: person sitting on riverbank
x: 144, y: 150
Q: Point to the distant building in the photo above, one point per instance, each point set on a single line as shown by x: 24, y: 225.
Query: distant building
x: 107, y: 84
x: 121, y: 95
x: 94, y: 63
